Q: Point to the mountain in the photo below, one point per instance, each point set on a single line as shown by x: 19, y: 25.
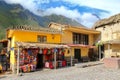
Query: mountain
x: 15, y: 14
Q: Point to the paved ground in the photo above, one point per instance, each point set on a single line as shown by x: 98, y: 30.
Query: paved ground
x: 98, y: 72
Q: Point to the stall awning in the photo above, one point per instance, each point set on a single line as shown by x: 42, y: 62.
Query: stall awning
x: 40, y: 45
x: 3, y: 41
x: 81, y: 45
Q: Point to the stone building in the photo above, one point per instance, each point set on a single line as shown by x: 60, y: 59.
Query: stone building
x: 110, y: 35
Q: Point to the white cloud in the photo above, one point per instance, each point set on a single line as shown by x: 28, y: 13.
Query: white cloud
x: 86, y: 19
x: 29, y: 4
x: 14, y: 1
x: 109, y: 5
x: 73, y: 14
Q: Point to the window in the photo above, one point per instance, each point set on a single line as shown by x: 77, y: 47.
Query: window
x: 80, y: 38
x: 42, y: 39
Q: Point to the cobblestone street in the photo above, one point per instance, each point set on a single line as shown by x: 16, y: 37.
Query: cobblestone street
x: 98, y: 72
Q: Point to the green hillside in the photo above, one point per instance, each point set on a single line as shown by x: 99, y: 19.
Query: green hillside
x: 12, y: 15
x: 15, y: 15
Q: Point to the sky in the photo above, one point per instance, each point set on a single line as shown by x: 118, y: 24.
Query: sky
x: 86, y: 12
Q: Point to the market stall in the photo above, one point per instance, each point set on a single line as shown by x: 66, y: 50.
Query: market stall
x: 35, y: 55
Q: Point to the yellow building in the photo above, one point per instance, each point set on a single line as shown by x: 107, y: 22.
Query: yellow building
x: 79, y: 39
x: 30, y: 35
x: 110, y: 35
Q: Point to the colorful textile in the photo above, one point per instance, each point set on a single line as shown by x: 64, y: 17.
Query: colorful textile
x: 45, y: 51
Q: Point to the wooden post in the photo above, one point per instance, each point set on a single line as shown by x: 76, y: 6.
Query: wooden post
x: 71, y: 57
x: 109, y: 48
x: 8, y: 45
x: 55, y: 59
x: 18, y: 56
x: 99, y: 52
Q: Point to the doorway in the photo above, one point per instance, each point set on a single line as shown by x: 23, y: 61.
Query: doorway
x: 39, y: 61
x: 77, y: 54
x: 101, y: 51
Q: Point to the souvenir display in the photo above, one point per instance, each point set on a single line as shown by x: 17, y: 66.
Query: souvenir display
x: 27, y: 61
x: 29, y: 58
x: 64, y: 63
x: 30, y: 52
x: 49, y: 51
x: 45, y: 51
x: 51, y: 65
x: 49, y: 58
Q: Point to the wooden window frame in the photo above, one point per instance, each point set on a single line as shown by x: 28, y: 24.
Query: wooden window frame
x: 79, y: 38
x: 42, y: 39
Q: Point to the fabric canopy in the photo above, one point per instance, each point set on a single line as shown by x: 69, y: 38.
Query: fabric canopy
x: 41, y: 45
x: 4, y: 40
x: 81, y: 45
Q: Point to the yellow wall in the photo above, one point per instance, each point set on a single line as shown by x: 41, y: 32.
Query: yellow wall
x: 84, y: 51
x: 12, y: 56
x: 29, y: 36
x: 91, y: 39
x: 67, y: 37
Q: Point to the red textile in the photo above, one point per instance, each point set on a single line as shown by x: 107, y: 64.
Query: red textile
x: 51, y: 65
x: 45, y: 51
x: 63, y: 63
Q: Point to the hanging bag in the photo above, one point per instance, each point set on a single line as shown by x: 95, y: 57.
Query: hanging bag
x: 49, y: 51
x: 41, y: 51
x: 45, y: 51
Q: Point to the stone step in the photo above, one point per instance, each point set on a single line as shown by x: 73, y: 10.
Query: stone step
x: 87, y: 64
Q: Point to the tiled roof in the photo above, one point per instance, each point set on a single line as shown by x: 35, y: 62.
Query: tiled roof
x: 72, y: 28
x: 39, y: 29
x: 66, y: 25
